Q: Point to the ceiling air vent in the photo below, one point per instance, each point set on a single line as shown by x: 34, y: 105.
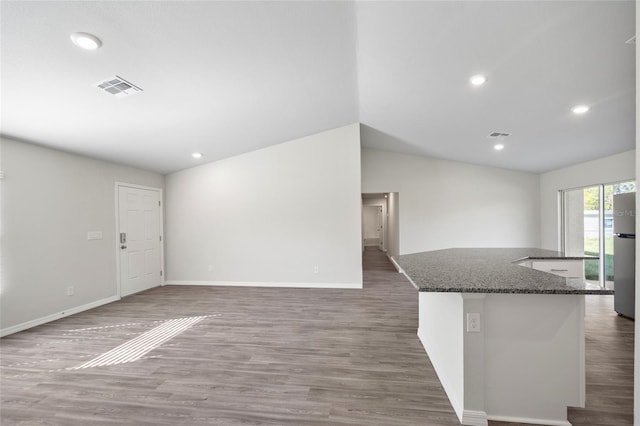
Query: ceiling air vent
x: 632, y: 40
x: 118, y: 86
x: 498, y: 135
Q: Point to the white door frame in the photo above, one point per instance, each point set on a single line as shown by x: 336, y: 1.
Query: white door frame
x: 118, y: 185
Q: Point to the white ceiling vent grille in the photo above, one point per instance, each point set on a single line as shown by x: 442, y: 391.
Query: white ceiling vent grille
x: 498, y: 135
x: 632, y: 40
x: 118, y: 86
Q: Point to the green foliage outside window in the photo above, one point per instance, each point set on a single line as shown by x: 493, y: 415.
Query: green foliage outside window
x: 592, y: 194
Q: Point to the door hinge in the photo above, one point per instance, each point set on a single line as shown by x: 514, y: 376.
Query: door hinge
x: 160, y: 273
x: 160, y: 237
x: 159, y: 204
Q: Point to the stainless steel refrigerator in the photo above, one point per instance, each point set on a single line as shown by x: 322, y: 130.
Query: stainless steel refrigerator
x: 624, y: 249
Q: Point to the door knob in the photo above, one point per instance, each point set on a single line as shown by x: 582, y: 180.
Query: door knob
x: 123, y: 247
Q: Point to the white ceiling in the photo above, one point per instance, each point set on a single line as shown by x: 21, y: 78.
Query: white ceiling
x: 224, y: 78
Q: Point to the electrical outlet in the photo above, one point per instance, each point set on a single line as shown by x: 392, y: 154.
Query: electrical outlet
x: 70, y: 291
x: 473, y: 322
x: 316, y: 269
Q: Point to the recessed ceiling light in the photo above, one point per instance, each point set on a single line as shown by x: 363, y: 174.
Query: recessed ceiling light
x: 498, y: 147
x: 580, y: 109
x: 196, y: 155
x: 478, y: 80
x: 86, y: 41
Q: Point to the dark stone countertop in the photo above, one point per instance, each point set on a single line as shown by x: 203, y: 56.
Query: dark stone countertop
x: 490, y: 270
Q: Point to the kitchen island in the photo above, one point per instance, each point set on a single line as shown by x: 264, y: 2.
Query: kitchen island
x: 504, y: 330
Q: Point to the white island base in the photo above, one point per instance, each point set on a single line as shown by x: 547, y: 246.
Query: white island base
x: 525, y: 365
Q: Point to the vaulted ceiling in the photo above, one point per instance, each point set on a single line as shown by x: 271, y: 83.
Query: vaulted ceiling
x: 225, y: 78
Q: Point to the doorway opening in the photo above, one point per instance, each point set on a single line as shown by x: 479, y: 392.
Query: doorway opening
x: 380, y: 229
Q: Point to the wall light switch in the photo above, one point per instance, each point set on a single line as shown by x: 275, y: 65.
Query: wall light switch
x: 473, y: 322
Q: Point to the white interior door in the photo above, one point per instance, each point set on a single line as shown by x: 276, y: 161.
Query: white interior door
x: 139, y: 239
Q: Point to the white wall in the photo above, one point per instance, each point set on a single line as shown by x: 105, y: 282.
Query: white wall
x: 450, y: 204
x: 440, y: 325
x: 616, y: 168
x: 270, y: 216
x: 50, y: 200
x: 534, y: 356
x: 393, y: 228
x: 482, y: 373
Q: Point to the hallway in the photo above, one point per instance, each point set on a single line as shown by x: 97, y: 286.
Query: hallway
x: 374, y: 259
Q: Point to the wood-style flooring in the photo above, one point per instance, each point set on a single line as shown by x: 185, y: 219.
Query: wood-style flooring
x: 269, y: 356
x: 609, y: 362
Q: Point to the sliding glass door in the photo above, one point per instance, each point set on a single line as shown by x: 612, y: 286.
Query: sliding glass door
x: 587, y: 222
x: 582, y: 227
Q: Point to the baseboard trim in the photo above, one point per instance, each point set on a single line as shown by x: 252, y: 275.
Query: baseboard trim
x: 474, y: 418
x: 410, y: 280
x: 265, y: 284
x: 511, y: 419
x: 466, y: 417
x: 395, y: 264
x: 57, y: 315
